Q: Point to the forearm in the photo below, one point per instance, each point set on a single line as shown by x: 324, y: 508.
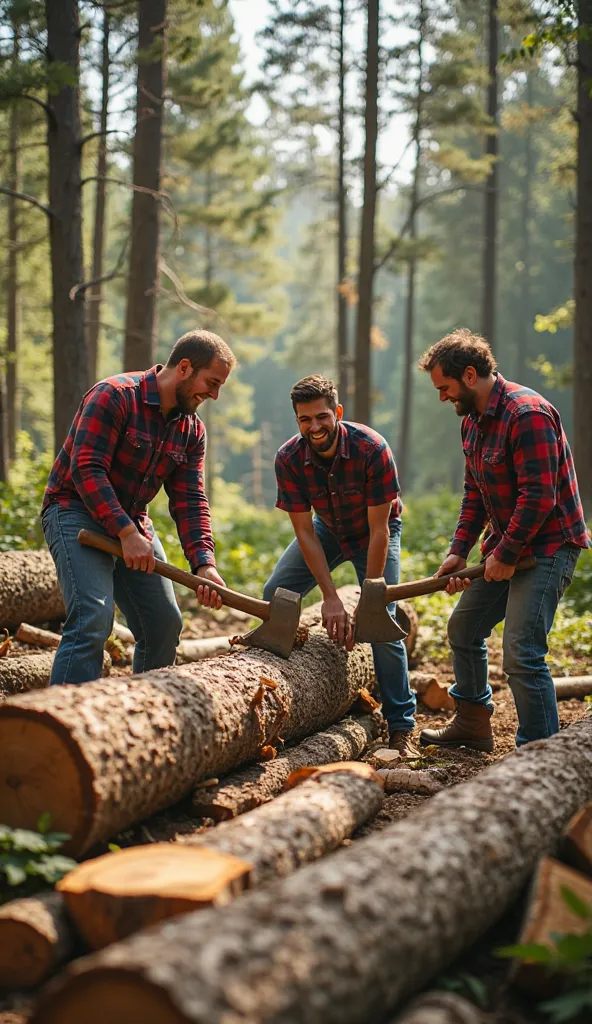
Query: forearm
x: 314, y: 556
x: 377, y: 553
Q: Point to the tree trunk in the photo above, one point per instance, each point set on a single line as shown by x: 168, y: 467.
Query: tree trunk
x: 363, y: 381
x: 524, y: 321
x: 35, y: 937
x: 414, y: 894
x: 441, y: 1008
x: 31, y: 672
x: 96, y: 292
x: 342, y: 346
x: 140, y: 325
x: 491, y: 185
x: 70, y: 361
x: 129, y: 747
x: 242, y: 791
x: 408, y: 371
x: 29, y: 589
x: 583, y: 265
x: 4, y: 434
x: 12, y: 281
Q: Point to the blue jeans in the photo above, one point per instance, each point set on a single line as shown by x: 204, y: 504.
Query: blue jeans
x: 528, y: 602
x: 91, y: 583
x: 390, y: 660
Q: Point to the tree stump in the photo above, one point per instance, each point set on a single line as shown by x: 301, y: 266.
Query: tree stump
x: 29, y: 589
x: 35, y: 937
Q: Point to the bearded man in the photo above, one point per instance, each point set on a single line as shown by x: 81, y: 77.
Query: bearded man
x: 520, y: 485
x: 132, y: 434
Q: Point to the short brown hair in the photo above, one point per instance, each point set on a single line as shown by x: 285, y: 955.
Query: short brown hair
x: 310, y: 388
x: 458, y: 350
x: 201, y: 348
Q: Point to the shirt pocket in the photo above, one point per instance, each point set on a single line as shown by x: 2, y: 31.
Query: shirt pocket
x: 136, y: 450
x: 172, y: 457
x: 319, y: 499
x: 352, y: 497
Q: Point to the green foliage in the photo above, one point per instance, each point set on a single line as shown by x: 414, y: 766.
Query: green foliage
x: 466, y: 985
x: 30, y: 861
x: 20, y: 501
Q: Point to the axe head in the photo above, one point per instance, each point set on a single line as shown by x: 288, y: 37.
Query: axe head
x: 373, y: 621
x: 279, y: 632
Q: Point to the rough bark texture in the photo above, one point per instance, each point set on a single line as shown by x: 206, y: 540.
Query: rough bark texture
x: 29, y: 589
x: 407, y: 780
x: 299, y: 826
x: 441, y: 1008
x: 13, y: 303
x: 254, y: 786
x: 347, y: 940
x: 130, y: 747
x: 574, y: 686
x: 490, y: 226
x: 582, y: 375
x: 96, y: 292
x: 35, y: 937
x: 31, y: 672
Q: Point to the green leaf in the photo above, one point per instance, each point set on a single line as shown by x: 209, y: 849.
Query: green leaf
x: 527, y: 952
x: 30, y: 842
x: 575, y: 904
x: 15, y: 874
x: 477, y: 989
x: 113, y: 848
x: 44, y: 822
x: 567, y: 1007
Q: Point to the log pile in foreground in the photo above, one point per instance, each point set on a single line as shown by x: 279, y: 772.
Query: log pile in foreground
x: 35, y: 938
x: 347, y: 940
x: 241, y: 791
x: 105, y: 755
x: 31, y: 672
x: 29, y: 589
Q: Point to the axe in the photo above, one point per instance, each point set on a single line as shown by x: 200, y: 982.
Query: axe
x: 373, y: 622
x: 280, y: 615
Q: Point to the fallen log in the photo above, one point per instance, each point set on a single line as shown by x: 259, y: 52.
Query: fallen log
x: 441, y: 1008
x: 294, y: 951
x: 28, y: 634
x: 408, y: 780
x: 576, y: 843
x: 206, y: 647
x: 572, y: 687
x: 254, y: 786
x: 35, y: 938
x: 102, y: 756
x: 29, y: 589
x: 31, y: 672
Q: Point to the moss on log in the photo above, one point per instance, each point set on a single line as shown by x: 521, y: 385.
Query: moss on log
x: 241, y: 791
x: 35, y: 937
x: 347, y: 940
x: 102, y: 756
x: 29, y: 589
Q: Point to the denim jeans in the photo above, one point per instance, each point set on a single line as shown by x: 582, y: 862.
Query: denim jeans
x: 91, y: 583
x: 528, y: 602
x: 390, y: 660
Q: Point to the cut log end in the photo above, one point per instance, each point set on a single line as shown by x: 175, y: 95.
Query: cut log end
x: 576, y: 847
x: 39, y: 772
x: 123, y: 998
x: 25, y: 955
x: 113, y: 896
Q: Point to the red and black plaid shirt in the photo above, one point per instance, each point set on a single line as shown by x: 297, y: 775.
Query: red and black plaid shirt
x: 519, y: 479
x: 362, y: 473
x: 120, y: 451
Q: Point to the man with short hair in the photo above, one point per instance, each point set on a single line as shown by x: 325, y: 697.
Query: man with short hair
x: 132, y: 433
x: 338, y: 483
x: 520, y: 484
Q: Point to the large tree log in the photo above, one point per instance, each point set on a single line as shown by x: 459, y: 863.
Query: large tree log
x: 35, y: 937
x: 573, y: 686
x: 31, y: 672
x: 346, y: 940
x: 102, y: 756
x: 29, y: 589
x: 254, y: 786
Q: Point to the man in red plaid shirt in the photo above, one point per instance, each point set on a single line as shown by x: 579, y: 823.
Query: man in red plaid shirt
x: 338, y: 483
x: 132, y: 434
x: 520, y: 485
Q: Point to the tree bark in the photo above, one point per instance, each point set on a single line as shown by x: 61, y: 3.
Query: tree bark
x: 574, y: 686
x: 492, y: 184
x: 4, y: 436
x: 29, y: 589
x: 96, y: 292
x: 342, y: 345
x: 28, y: 634
x: 129, y: 747
x: 441, y: 1008
x: 583, y: 265
x: 291, y: 953
x: 242, y: 791
x: 366, y: 259
x: 12, y: 280
x: 35, y: 938
x: 70, y: 362
x: 140, y: 325
x: 31, y: 672
x: 525, y: 319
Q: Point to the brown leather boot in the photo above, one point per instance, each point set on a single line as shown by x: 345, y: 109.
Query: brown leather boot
x: 402, y: 740
x: 470, y: 727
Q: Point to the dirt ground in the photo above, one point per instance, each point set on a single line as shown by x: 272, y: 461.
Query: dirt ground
x: 478, y: 968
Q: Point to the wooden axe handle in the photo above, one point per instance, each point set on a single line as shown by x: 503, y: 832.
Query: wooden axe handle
x: 431, y: 584
x: 231, y: 598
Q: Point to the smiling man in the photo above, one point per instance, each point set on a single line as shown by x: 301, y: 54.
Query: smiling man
x: 132, y: 434
x: 520, y: 484
x: 338, y: 483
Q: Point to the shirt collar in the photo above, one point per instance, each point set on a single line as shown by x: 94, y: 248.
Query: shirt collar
x: 342, y: 447
x: 149, y: 386
x: 494, y: 399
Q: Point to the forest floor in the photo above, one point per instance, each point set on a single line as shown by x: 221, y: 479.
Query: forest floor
x: 479, y: 975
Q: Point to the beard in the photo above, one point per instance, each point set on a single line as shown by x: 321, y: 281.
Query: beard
x: 320, y: 447
x: 465, y: 402
x: 184, y: 399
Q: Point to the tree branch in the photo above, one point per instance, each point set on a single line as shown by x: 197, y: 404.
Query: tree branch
x: 184, y: 299
x: 97, y: 135
x: 40, y: 103
x: 84, y: 285
x: 27, y: 199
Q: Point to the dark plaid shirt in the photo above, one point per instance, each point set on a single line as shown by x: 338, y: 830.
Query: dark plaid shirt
x: 362, y: 473
x: 120, y: 451
x: 519, y: 479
